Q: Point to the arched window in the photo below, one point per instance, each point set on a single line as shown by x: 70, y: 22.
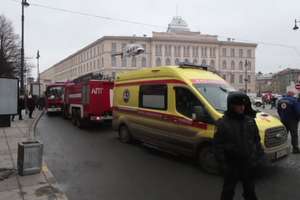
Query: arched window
x: 133, y: 62
x: 241, y: 65
x: 195, y: 61
x: 212, y: 63
x: 186, y: 60
x: 176, y: 61
x: 124, y: 62
x: 144, y: 63
x: 204, y: 62
x: 232, y: 65
x: 224, y: 64
x: 158, y: 62
x: 249, y: 65
x: 168, y: 61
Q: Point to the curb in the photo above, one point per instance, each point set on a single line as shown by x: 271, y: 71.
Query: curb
x: 59, y: 194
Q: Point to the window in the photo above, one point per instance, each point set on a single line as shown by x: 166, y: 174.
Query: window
x: 231, y: 78
x: 158, y: 62
x: 224, y: 64
x: 241, y: 53
x: 177, y: 51
x: 113, y: 47
x: 212, y: 63
x: 249, y: 53
x: 204, y: 51
x: 168, y: 61
x: 195, y: 51
x: 158, y: 50
x: 124, y: 61
x: 224, y: 52
x: 241, y: 79
x: 144, y: 47
x: 168, y: 50
x: 144, y: 63
x: 249, y: 65
x: 241, y: 65
x: 185, y: 101
x: 186, y: 60
x: 176, y: 61
x: 204, y: 62
x: 232, y: 52
x: 195, y: 61
x: 113, y: 61
x: 249, y: 79
x: 186, y: 51
x: 153, y: 96
x: 133, y: 62
x: 232, y: 65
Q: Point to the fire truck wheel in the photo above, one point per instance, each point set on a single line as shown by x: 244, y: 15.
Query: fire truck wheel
x: 124, y: 134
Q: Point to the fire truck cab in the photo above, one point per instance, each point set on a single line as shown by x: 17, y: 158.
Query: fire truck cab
x: 54, y: 97
x: 88, y: 101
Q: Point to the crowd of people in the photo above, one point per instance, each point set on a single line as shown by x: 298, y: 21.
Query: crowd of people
x: 28, y: 103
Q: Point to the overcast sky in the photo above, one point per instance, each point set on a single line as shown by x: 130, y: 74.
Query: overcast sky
x: 58, y: 34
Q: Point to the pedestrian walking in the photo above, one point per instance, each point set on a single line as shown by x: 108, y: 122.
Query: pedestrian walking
x: 21, y: 106
x: 289, y: 112
x: 273, y: 102
x: 30, y: 105
x: 237, y: 146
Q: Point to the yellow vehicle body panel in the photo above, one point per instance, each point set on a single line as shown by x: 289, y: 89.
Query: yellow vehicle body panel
x: 176, y: 126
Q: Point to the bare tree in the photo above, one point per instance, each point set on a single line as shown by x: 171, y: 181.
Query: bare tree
x: 9, y: 49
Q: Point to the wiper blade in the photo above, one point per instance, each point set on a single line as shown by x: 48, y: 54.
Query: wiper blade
x: 224, y: 89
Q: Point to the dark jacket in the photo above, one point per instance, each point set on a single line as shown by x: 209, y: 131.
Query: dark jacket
x: 30, y: 104
x: 237, y: 138
x: 21, y: 103
x: 288, y: 109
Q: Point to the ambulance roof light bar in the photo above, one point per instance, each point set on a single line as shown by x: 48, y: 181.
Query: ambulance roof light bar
x: 193, y: 66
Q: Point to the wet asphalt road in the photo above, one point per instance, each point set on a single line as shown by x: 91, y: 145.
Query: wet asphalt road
x: 93, y: 165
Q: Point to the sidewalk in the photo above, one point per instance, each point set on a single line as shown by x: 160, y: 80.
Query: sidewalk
x: 40, y: 186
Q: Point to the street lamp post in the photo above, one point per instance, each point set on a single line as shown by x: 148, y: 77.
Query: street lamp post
x: 38, y: 71
x: 24, y: 4
x: 246, y: 76
x: 296, y: 27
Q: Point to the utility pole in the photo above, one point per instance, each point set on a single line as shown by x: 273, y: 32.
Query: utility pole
x: 38, y: 71
x: 24, y: 3
x: 246, y: 76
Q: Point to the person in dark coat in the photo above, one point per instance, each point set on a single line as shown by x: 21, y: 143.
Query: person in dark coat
x: 30, y: 105
x: 21, y: 106
x: 288, y: 108
x: 237, y: 146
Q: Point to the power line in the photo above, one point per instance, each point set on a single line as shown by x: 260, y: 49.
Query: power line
x: 150, y: 25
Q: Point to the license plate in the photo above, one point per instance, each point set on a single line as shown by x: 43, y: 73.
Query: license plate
x: 281, y: 153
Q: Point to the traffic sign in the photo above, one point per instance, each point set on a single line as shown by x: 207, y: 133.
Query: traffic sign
x: 297, y: 86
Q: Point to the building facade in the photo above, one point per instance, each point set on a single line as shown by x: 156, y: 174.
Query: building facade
x: 264, y: 83
x: 284, y: 78
x: 234, y: 61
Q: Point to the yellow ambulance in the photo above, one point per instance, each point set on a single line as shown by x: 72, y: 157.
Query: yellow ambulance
x: 174, y: 108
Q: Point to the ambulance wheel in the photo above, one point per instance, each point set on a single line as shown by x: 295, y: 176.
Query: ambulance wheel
x: 124, y: 134
x: 207, y: 161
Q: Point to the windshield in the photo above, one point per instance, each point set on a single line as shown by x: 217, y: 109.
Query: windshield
x: 56, y: 91
x: 215, y: 94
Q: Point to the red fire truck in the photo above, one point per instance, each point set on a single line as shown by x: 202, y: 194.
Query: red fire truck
x: 54, y: 97
x: 87, y: 99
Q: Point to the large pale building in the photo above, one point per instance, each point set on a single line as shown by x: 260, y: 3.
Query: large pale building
x: 235, y: 61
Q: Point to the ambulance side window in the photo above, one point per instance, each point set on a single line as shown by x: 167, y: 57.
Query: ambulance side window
x: 185, y: 101
x: 153, y: 96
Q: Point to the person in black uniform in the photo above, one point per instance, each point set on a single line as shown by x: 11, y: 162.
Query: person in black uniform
x: 288, y: 109
x: 237, y: 146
